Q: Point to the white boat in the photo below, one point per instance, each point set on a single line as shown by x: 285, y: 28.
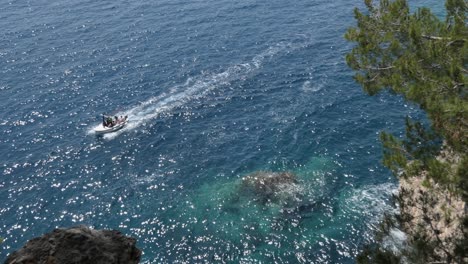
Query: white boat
x: 119, y: 124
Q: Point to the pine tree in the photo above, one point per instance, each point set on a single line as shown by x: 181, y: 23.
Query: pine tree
x: 425, y: 60
x: 418, y: 56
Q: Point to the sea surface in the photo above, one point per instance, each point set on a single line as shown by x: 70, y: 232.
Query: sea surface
x: 215, y: 91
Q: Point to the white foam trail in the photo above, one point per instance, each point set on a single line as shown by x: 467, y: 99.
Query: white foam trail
x: 194, y: 88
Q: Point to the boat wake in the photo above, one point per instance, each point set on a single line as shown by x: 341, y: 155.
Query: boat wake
x: 195, y: 88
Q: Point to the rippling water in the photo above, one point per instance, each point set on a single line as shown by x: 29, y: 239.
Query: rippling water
x: 215, y: 90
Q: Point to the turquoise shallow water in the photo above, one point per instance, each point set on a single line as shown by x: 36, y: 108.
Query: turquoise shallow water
x: 215, y: 90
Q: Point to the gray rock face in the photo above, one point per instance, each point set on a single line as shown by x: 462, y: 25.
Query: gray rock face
x: 78, y: 245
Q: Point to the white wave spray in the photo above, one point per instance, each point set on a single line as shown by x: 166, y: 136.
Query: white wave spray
x: 195, y: 88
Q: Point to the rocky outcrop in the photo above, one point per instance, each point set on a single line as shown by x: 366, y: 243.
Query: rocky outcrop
x: 78, y: 245
x: 431, y: 215
x: 275, y: 187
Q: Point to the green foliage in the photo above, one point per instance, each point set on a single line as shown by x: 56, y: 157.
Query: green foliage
x: 418, y: 56
x: 395, y: 157
x: 413, y: 154
x: 420, y: 142
x: 425, y: 60
x: 426, y: 183
x: 462, y: 178
x: 439, y: 171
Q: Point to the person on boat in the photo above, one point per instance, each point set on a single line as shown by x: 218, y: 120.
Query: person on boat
x: 110, y: 123
x: 105, y: 120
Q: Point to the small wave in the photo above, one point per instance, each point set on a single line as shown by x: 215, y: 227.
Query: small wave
x: 308, y: 86
x: 195, y: 88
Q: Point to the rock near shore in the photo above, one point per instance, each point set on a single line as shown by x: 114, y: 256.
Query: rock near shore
x: 78, y: 245
x: 275, y: 187
x: 430, y: 213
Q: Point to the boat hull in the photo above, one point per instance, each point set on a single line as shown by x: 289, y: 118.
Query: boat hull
x: 104, y: 130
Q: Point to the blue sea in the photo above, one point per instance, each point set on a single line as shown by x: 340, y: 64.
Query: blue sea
x: 215, y: 91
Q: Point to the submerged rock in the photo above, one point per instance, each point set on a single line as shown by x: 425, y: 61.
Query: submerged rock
x: 78, y: 245
x: 276, y: 187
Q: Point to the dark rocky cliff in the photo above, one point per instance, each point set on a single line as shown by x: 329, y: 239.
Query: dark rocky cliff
x: 78, y: 245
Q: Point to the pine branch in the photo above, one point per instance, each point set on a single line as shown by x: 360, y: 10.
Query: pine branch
x: 452, y: 41
x: 373, y: 78
x: 458, y: 85
x: 434, y: 37
x: 380, y: 69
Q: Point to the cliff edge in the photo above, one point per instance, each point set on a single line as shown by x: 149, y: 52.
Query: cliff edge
x: 433, y: 215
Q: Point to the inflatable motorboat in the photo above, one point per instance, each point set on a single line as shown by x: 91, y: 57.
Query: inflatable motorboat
x: 111, y: 124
